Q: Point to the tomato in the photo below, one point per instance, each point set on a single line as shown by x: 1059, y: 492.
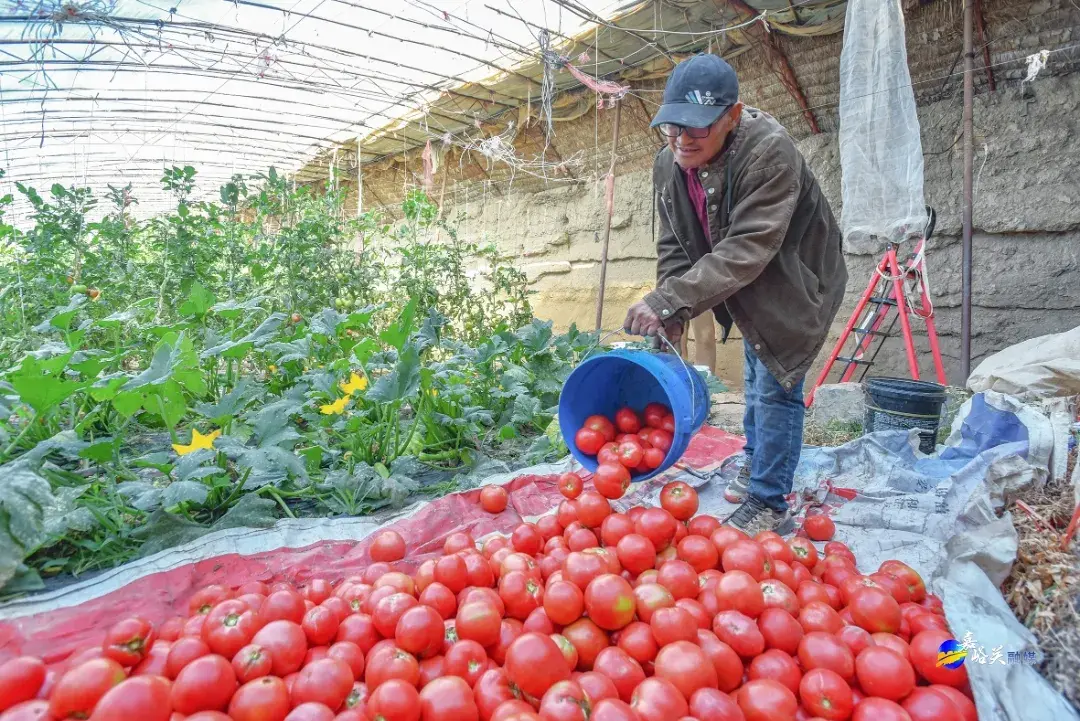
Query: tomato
x: 740, y: 632
x: 311, y: 712
x: 20, y: 680
x: 818, y: 616
x: 875, y: 610
x: 614, y: 528
x: 653, y: 458
x: 521, y: 593
x: 609, y: 454
x: 778, y: 666
x: 479, y: 621
x: 929, y: 704
x: 855, y: 638
x: 627, y: 420
x: 686, y: 666
x: 389, y: 610
x: 588, y: 639
x: 419, y: 631
x: 78, y: 691
x: 780, y: 630
x: 679, y: 577
x: 638, y: 641
x: 804, y: 551
x: 231, y: 625
x: 660, y: 439
x: 738, y: 590
x: 927, y: 621
x: 492, y: 690
x: 679, y: 499
x: 286, y: 605
x: 767, y: 700
x: 358, y: 698
x: 924, y: 651
x: 589, y: 441
x: 205, y: 684
x: 819, y: 527
x: 611, y: 479
x: 478, y: 571
x: 439, y: 597
x: 672, y: 624
x: 515, y: 710
x: 657, y: 699
x: 777, y: 595
x: 535, y: 663
x: 699, y: 552
x: 609, y: 601
x: 285, y: 642
x: 631, y: 453
x: 714, y: 705
x: 745, y: 555
x: 563, y: 602
x: 825, y: 694
x: 622, y: 669
x: 885, y: 673
x: 728, y: 665
x: 206, y: 598
x: 601, y: 424
x: 142, y: 697
x: 636, y: 552
x: 128, y: 642
x: 327, y: 681
x: 896, y: 588
x: 658, y: 526
x: 819, y: 649
x: 962, y: 702
x: 493, y: 499
x: 592, y: 508
x: 565, y: 701
x: 550, y: 530
x: 650, y: 598
x: 810, y: 591
x: 251, y: 662
x: 466, y: 659
x: 526, y: 539
x: 613, y: 710
x: 264, y: 699
x: 596, y: 686
x: 908, y: 576
x: 570, y: 484
x: 448, y: 699
x: 879, y: 709
x: 359, y: 629
x: 387, y: 547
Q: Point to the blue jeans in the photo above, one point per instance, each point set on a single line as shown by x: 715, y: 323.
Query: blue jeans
x: 773, y: 424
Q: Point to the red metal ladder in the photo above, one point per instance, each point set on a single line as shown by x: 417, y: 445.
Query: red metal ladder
x: 892, y: 275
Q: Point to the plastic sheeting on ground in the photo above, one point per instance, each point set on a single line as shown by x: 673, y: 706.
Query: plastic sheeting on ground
x: 938, y: 513
x: 1042, y: 367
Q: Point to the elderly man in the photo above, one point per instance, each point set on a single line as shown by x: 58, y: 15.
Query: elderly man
x: 746, y: 233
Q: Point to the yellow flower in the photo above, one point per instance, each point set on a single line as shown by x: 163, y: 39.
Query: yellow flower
x: 198, y: 442
x: 434, y: 392
x: 354, y: 384
x: 272, y: 368
x: 335, y: 408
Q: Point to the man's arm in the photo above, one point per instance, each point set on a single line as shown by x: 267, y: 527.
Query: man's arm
x: 759, y: 222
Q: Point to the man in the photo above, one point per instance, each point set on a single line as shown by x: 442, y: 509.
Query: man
x: 747, y: 233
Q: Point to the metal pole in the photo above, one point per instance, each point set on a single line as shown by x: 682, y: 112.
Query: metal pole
x: 969, y: 165
x: 607, y: 227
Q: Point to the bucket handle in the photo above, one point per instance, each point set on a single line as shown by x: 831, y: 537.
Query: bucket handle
x: 686, y: 366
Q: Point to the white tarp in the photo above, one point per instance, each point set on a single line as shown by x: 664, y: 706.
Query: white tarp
x: 1043, y: 367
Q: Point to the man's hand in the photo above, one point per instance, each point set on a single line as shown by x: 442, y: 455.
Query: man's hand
x: 643, y: 320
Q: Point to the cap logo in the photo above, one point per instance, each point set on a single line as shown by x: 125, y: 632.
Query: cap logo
x: 697, y: 98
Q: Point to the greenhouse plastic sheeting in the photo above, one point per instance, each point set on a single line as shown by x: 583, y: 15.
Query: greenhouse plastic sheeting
x: 937, y: 513
x: 881, y: 157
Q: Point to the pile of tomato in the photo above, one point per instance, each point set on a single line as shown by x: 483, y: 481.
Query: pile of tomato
x: 629, y: 445
x: 655, y: 614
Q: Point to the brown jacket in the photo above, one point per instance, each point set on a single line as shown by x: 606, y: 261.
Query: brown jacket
x: 776, y: 267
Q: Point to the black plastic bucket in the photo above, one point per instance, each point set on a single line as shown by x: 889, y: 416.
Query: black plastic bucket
x: 900, y: 403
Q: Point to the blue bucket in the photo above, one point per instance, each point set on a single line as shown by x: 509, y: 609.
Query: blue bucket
x: 605, y: 383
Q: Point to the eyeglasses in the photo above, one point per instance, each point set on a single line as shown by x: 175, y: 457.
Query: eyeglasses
x: 671, y: 130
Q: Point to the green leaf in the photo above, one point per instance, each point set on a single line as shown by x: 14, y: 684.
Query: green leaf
x: 296, y: 350
x: 197, y: 465
x: 398, y: 332
x: 256, y: 338
x: 117, y: 319
x: 167, y: 402
x: 105, y: 389
x: 24, y: 497
x: 199, y: 301
x: 230, y: 405
x: 102, y: 450
x: 233, y: 309
x: 61, y: 317
x: 127, y: 403
x: 268, y: 465
x: 179, y: 492
x: 159, y: 460
x: 536, y: 336
x: 41, y: 385
x: 400, y: 383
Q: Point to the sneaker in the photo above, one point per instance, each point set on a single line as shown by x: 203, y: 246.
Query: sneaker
x: 753, y: 517
x: 738, y: 488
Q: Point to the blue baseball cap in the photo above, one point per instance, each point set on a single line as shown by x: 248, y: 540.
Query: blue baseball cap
x: 699, y: 91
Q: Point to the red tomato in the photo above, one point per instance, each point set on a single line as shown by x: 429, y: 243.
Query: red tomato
x: 609, y: 453
x: 535, y: 663
x: 78, y: 691
x: 588, y: 639
x: 493, y: 499
x: 589, y: 441
x: 638, y: 641
x: 611, y: 709
x: 311, y: 712
x: 745, y: 555
x: 20, y: 680
x: 565, y: 701
x: 651, y: 597
x: 389, y: 609
x: 686, y: 666
x: 962, y: 702
x: 777, y: 595
x: 36, y: 710
x: 129, y: 641
x: 395, y: 700
x: 251, y: 662
x: 804, y: 551
x: 627, y: 420
x: 699, y: 552
x: 611, y: 479
x: 479, y: 621
x: 672, y: 624
x: 929, y: 704
x: 438, y: 597
x: 680, y: 500
x: 657, y: 699
x: 819, y: 649
x: 609, y: 601
x: 285, y: 605
x: 230, y: 625
x: 636, y: 552
x: 260, y: 700
x: 709, y: 703
x: 885, y: 673
x: 778, y: 666
x: 658, y: 526
x: 360, y: 629
x: 521, y: 593
x: 390, y: 662
x: 614, y: 528
x: 819, y: 527
x: 205, y: 684
x: 592, y: 508
x: 142, y: 697
x: 387, y: 547
x: 491, y: 691
x: 825, y: 694
x: 875, y: 610
x: 420, y: 631
x: 908, y: 576
x: 563, y: 602
x: 767, y: 700
x: 780, y: 630
x: 654, y: 414
x: 739, y: 590
x: 602, y: 425
x: 924, y: 650
x: 855, y: 639
x: 653, y: 458
x: 327, y: 681
x: 728, y: 665
x: 818, y: 616
x: 285, y: 642
x: 570, y: 483
x: 879, y: 709
x: 526, y: 539
x: 596, y: 686
x: 740, y: 632
x: 631, y: 453
x: 622, y: 669
x: 206, y: 598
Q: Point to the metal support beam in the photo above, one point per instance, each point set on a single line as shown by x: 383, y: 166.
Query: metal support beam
x: 984, y: 41
x: 777, y: 60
